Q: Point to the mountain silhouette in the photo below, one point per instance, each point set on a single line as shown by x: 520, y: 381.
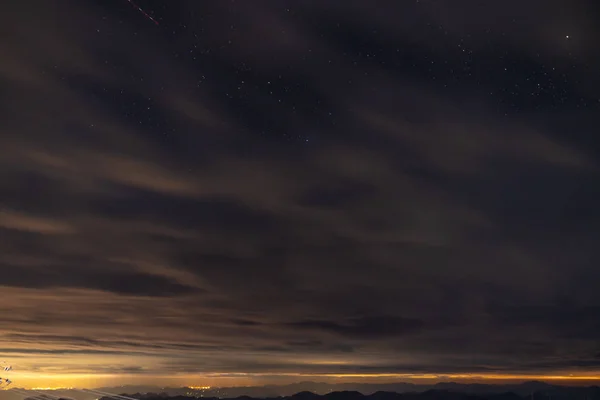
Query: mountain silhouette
x: 528, y: 391
x: 533, y: 390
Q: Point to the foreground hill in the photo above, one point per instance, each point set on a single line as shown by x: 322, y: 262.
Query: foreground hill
x: 524, y: 389
x: 393, y: 391
x: 479, y: 392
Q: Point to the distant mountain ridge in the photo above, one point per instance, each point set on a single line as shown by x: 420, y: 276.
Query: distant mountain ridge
x: 533, y: 390
x: 478, y: 392
x: 322, y: 388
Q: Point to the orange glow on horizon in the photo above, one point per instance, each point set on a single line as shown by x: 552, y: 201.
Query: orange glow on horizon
x: 69, y: 381
x: 464, y: 376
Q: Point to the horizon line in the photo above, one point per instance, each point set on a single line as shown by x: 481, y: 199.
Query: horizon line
x: 492, y: 379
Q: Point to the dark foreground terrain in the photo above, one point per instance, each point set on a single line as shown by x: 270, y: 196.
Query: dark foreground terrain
x: 398, y: 391
x: 371, y: 391
x: 476, y: 393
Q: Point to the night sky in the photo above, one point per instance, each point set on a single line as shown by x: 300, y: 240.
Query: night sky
x: 259, y: 191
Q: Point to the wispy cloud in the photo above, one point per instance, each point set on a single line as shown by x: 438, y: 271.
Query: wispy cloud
x: 193, y: 244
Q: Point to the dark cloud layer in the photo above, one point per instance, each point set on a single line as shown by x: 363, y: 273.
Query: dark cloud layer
x: 300, y: 187
x: 365, y: 328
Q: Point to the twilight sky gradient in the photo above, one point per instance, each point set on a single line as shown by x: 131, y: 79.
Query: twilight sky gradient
x: 258, y: 190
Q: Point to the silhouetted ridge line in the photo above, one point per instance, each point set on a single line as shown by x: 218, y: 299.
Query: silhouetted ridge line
x: 304, y: 395
x: 548, y: 393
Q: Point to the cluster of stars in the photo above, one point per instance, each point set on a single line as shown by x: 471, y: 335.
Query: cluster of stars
x: 270, y: 103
